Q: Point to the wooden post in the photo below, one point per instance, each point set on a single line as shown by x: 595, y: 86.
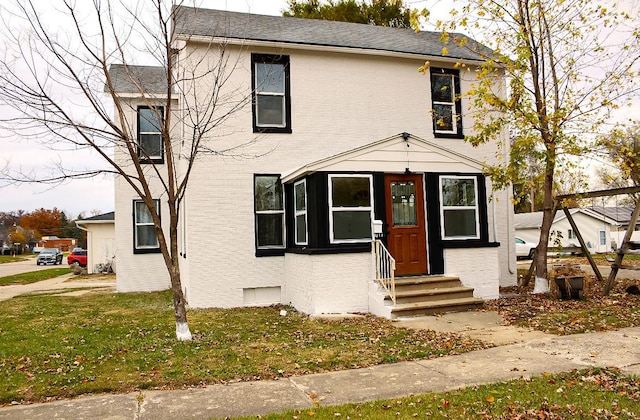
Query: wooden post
x: 585, y: 250
x: 622, y: 250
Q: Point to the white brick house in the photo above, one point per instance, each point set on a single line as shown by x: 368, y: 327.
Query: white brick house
x: 341, y: 130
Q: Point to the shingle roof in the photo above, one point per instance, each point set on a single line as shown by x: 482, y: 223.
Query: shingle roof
x: 243, y: 26
x: 621, y: 214
x: 534, y: 220
x: 101, y: 217
x: 152, y: 79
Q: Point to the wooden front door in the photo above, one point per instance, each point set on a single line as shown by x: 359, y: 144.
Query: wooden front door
x: 406, y: 223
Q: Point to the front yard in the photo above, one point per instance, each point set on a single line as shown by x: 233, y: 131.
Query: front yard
x: 59, y: 346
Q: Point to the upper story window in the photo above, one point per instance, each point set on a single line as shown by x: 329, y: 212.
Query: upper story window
x: 445, y: 103
x: 144, y: 232
x: 271, y: 93
x: 460, y: 218
x: 150, y: 147
x: 269, y: 212
x: 350, y: 208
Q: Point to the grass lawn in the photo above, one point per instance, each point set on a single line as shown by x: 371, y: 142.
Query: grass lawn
x: 589, y: 393
x: 34, y: 276
x: 10, y: 258
x: 61, y: 346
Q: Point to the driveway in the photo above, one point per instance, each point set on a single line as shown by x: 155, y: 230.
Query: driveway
x: 19, y: 267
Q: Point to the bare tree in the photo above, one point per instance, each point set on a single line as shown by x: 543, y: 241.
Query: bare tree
x: 56, y: 75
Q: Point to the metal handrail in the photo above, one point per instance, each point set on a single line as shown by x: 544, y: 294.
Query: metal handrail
x: 385, y: 268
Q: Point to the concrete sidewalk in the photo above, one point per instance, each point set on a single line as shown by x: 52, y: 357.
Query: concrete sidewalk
x: 67, y: 281
x: 532, y: 356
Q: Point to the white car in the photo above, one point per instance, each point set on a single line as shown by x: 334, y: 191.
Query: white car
x: 525, y: 249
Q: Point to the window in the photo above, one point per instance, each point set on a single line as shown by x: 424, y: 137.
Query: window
x: 271, y: 98
x: 603, y: 237
x: 571, y: 234
x: 445, y: 103
x: 269, y: 211
x: 300, y: 200
x: 150, y: 147
x: 350, y: 208
x: 144, y: 232
x: 459, y: 207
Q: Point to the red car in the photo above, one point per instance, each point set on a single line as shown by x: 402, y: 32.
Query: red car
x: 78, y: 256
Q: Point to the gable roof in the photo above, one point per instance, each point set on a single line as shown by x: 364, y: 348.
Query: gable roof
x: 399, y: 153
x: 534, y: 220
x: 101, y: 218
x: 621, y: 214
x: 127, y: 78
x: 247, y: 27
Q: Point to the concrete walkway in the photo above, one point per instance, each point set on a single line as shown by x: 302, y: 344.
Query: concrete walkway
x: 531, y: 353
x: 68, y: 281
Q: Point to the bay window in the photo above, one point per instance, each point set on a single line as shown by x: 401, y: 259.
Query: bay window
x: 350, y: 208
x: 459, y: 207
x: 269, y: 212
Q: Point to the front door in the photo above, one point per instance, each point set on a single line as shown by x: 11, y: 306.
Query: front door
x: 406, y: 223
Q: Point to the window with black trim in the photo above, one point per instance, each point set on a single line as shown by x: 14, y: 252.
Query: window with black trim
x: 145, y: 239
x: 269, y: 212
x: 350, y: 208
x: 300, y: 203
x: 446, y: 108
x: 271, y: 93
x: 150, y: 147
x: 459, y: 208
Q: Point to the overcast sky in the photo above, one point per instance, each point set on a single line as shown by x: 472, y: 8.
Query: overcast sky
x: 84, y: 196
x: 96, y: 195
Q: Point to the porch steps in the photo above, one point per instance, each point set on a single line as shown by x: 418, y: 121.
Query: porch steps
x: 429, y: 295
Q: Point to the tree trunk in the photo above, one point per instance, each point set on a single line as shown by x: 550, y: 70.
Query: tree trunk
x: 182, y: 327
x: 548, y: 212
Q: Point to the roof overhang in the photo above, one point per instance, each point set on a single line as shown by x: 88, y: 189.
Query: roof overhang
x: 279, y: 45
x: 401, y: 153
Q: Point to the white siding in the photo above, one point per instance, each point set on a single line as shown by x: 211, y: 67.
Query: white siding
x: 101, y: 248
x: 478, y: 268
x: 338, y: 102
x: 336, y: 283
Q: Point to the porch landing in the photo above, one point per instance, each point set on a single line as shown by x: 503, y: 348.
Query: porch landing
x: 429, y: 295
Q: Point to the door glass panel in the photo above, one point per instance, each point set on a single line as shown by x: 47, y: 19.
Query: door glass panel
x: 404, y: 203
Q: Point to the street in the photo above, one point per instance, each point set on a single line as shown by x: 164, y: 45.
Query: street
x: 18, y: 267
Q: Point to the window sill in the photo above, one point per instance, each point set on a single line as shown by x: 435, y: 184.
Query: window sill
x: 279, y: 252
x: 468, y: 243
x: 146, y: 251
x: 449, y: 136
x: 336, y: 249
x: 286, y: 130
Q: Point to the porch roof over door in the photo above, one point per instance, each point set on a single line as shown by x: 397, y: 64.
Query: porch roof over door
x: 400, y: 153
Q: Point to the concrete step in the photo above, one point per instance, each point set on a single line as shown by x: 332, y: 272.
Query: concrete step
x: 425, y: 282
x: 430, y: 295
x: 435, y: 307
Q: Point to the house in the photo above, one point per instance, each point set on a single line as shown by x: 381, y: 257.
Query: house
x: 595, y: 228
x: 52, y: 241
x: 622, y: 216
x: 101, y: 248
x: 342, y: 134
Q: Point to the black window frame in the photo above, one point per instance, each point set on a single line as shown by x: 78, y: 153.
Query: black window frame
x: 141, y: 155
x: 145, y: 250
x: 457, y: 104
x: 271, y: 59
x: 269, y: 250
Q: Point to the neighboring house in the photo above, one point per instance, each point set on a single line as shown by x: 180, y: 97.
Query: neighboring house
x: 344, y: 131
x: 101, y: 247
x: 594, y: 227
x: 63, y: 244
x: 622, y: 216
